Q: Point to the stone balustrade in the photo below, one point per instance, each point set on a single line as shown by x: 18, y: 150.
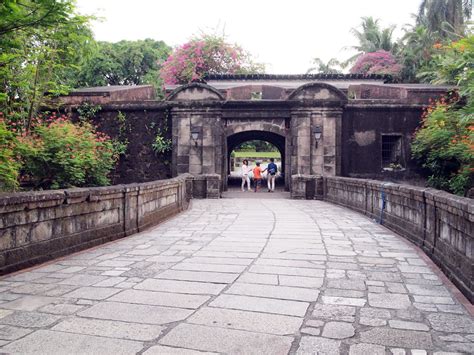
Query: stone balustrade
x: 438, y: 222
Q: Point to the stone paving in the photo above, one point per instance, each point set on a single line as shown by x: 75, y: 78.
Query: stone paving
x: 239, y: 276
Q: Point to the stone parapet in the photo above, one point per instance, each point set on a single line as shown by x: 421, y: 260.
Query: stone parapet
x: 307, y: 187
x: 207, y: 186
x: 39, y: 226
x: 438, y: 222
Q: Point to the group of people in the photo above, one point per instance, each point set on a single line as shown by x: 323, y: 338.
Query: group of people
x: 257, y: 177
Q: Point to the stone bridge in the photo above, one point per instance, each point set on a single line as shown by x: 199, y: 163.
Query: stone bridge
x: 236, y: 276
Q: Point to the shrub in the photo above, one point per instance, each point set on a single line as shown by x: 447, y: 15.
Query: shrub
x: 445, y: 147
x: 59, y: 154
x: 380, y: 62
x: 9, y: 166
x: 208, y: 54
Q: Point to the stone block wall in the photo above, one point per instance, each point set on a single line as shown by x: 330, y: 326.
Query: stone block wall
x: 363, y: 125
x: 438, y: 222
x: 39, y: 226
x: 207, y: 186
x: 307, y: 187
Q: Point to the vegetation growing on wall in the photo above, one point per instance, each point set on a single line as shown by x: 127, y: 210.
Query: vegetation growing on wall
x: 162, y: 144
x: 86, y: 111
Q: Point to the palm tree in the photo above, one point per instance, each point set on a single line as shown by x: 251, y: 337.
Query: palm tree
x: 325, y: 68
x: 416, y: 48
x: 372, y: 38
x: 444, y: 16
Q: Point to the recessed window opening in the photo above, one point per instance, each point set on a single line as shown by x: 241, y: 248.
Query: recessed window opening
x: 391, y: 150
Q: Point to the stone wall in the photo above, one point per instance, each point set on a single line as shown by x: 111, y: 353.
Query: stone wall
x: 438, y: 222
x: 364, y: 123
x: 103, y: 95
x: 414, y: 93
x: 39, y: 226
x: 137, y: 123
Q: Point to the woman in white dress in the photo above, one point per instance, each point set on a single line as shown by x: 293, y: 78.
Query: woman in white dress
x: 245, y: 175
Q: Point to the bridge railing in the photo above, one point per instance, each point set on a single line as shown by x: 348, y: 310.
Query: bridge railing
x: 438, y: 222
x: 38, y: 226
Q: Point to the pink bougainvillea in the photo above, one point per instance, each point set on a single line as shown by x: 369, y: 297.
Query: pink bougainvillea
x: 205, y: 55
x: 380, y: 62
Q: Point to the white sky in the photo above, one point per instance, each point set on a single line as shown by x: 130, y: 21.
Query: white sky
x: 285, y: 35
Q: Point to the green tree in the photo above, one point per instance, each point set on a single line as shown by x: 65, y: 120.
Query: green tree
x: 124, y: 63
x: 416, y: 49
x: 445, y: 17
x: 372, y: 37
x: 21, y: 15
x: 331, y: 67
x: 42, y: 43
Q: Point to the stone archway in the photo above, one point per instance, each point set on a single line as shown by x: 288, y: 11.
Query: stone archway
x: 278, y: 140
x: 207, y: 124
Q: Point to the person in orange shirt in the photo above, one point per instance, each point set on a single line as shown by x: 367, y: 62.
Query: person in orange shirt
x: 257, y: 176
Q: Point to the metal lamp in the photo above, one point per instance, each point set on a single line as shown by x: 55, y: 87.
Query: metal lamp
x: 317, y: 131
x: 196, y: 134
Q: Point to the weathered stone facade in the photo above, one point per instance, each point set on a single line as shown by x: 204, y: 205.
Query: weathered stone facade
x: 358, y: 118
x: 220, y: 125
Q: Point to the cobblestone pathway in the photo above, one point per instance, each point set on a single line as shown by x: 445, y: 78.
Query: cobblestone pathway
x: 239, y: 276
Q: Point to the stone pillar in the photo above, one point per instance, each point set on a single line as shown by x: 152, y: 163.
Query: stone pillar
x: 309, y: 157
x: 329, y: 162
x: 203, y: 155
x: 181, y: 136
x: 312, y: 105
x: 307, y: 187
x: 196, y: 107
x: 301, y: 147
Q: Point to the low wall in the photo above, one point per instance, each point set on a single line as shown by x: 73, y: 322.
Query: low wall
x: 306, y: 187
x: 39, y: 226
x: 207, y: 186
x: 440, y: 223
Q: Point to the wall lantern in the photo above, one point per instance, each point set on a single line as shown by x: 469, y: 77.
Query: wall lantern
x: 196, y: 134
x: 317, y: 131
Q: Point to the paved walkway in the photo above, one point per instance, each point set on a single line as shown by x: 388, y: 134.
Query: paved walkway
x: 239, y: 276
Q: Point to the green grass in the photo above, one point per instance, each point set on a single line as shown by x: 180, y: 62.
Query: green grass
x: 256, y: 154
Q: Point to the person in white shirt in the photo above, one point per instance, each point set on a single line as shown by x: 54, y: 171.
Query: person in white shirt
x: 245, y: 175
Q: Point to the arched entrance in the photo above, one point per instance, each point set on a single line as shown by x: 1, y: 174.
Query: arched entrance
x: 304, y: 124
x: 277, y: 140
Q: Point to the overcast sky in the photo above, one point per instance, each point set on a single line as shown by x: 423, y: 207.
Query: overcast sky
x: 285, y: 35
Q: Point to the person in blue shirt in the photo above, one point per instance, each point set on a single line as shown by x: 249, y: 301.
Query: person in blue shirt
x: 272, y: 170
